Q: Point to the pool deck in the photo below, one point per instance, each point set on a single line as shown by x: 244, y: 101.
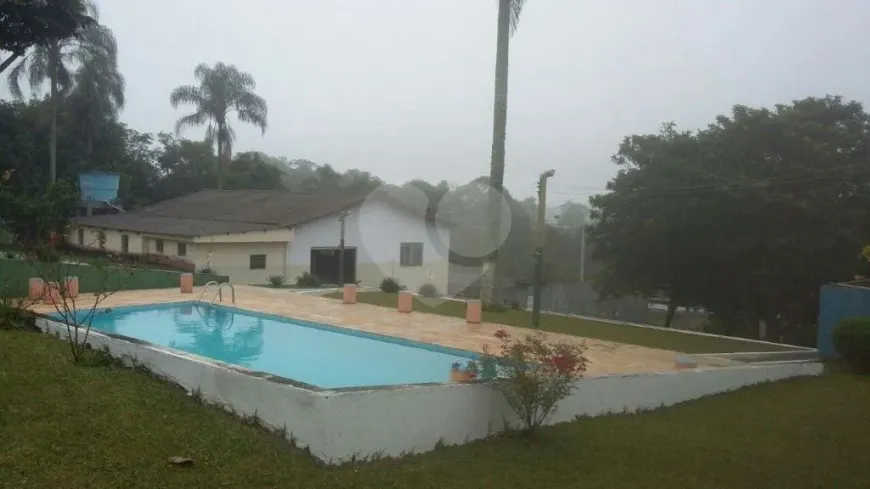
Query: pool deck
x: 605, y: 357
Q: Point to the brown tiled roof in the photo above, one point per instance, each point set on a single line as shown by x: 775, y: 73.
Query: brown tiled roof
x: 211, y: 212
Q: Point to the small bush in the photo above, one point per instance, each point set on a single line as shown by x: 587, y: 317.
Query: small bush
x: 10, y: 255
x: 532, y: 374
x: 852, y: 340
x: 428, y: 290
x: 276, y: 280
x: 307, y: 280
x: 207, y: 270
x: 390, y: 285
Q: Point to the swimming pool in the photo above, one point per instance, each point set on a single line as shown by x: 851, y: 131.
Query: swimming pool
x: 325, y: 356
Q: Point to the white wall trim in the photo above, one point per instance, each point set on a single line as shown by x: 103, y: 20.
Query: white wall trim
x: 337, y: 425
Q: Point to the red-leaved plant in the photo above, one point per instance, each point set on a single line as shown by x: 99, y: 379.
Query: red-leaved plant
x: 533, y: 374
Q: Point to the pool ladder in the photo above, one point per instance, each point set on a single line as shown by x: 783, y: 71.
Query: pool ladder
x: 219, y: 294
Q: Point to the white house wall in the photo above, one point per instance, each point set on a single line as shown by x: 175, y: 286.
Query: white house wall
x: 376, y: 230
x: 234, y: 260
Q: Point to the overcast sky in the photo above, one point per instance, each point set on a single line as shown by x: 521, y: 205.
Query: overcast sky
x: 404, y: 88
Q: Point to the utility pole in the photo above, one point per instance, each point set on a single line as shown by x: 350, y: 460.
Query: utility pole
x: 583, y: 252
x: 342, y: 216
x: 539, y: 249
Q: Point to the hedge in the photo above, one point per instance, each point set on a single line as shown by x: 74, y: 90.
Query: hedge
x: 15, y: 275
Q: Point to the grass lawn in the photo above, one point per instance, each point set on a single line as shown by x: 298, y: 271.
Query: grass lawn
x: 666, y: 340
x: 66, y: 426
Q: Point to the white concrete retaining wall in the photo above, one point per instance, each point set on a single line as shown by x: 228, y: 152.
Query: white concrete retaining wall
x: 338, y: 424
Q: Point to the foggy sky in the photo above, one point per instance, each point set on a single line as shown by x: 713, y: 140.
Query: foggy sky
x: 404, y: 88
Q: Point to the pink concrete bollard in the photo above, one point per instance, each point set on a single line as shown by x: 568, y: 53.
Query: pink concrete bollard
x: 472, y: 311
x: 52, y: 293
x: 406, y: 301
x: 72, y: 287
x: 186, y: 283
x: 349, y: 294
x: 36, y: 289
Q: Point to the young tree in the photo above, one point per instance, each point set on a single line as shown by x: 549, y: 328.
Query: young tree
x: 222, y: 90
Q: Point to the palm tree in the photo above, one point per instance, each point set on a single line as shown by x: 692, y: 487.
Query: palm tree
x: 222, y: 90
x: 508, y: 18
x: 98, y: 94
x: 54, y: 59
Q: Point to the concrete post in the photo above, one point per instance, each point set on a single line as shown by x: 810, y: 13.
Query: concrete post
x: 186, y: 283
x: 35, y: 289
x: 349, y: 293
x: 406, y: 301
x: 473, y: 312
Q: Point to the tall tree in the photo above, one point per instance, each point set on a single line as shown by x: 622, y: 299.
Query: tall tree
x: 25, y: 23
x: 98, y: 91
x: 747, y: 218
x: 54, y: 61
x: 222, y: 90
x: 508, y: 17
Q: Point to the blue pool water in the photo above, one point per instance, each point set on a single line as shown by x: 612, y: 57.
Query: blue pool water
x: 320, y: 355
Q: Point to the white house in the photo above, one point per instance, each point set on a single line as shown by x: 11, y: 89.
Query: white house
x: 252, y: 235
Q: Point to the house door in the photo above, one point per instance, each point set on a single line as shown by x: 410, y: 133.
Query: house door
x: 325, y: 262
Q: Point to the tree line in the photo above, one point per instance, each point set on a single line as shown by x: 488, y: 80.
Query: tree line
x: 745, y: 218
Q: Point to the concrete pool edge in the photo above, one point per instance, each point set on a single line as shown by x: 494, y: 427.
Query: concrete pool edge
x: 429, y: 346
x: 339, y: 424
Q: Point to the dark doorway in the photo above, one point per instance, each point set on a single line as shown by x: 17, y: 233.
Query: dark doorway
x: 324, y: 264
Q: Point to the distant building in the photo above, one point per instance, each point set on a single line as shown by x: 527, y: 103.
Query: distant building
x: 251, y: 235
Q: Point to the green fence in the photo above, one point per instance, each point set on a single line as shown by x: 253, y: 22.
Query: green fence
x: 15, y: 274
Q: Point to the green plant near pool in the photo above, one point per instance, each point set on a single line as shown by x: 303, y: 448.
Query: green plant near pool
x: 852, y: 340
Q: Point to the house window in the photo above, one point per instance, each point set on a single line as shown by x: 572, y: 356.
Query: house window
x: 182, y: 249
x: 81, y: 237
x: 125, y: 244
x: 411, y: 254
x: 158, y: 246
x: 258, y: 262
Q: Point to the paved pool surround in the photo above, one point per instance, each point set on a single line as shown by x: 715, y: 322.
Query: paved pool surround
x: 339, y: 424
x: 605, y: 357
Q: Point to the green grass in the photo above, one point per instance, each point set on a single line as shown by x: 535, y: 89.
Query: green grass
x: 64, y: 426
x: 633, y: 335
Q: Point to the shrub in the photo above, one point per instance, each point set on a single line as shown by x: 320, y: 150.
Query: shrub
x: 207, y: 270
x: 276, y: 280
x: 852, y: 340
x: 13, y: 312
x: 390, y: 285
x: 532, y: 374
x: 307, y: 280
x: 428, y: 290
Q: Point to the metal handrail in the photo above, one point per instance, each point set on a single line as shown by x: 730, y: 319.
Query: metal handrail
x: 205, y: 288
x: 219, y: 294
